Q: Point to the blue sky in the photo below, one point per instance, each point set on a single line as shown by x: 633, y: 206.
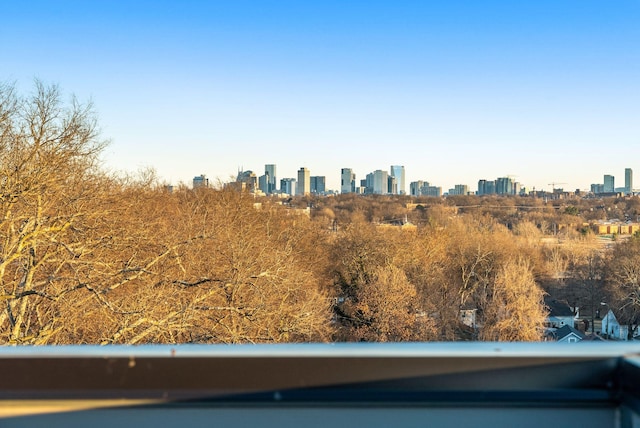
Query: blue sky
x: 545, y: 90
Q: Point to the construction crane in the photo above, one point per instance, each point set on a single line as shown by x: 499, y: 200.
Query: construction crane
x: 553, y: 186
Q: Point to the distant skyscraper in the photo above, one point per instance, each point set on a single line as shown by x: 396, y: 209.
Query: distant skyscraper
x: 303, y: 185
x: 415, y: 186
x: 628, y: 180
x: 435, y: 191
x: 504, y: 186
x: 517, y: 188
x: 318, y: 184
x: 347, y: 181
x: 380, y: 182
x: 397, y: 171
x: 459, y: 189
x: 200, y: 181
x: 482, y: 187
x: 423, y: 188
x: 609, y: 184
x: 263, y: 183
x: 288, y: 186
x: 392, y: 185
x: 270, y: 172
x: 490, y: 187
x: 248, y: 180
x: 597, y: 188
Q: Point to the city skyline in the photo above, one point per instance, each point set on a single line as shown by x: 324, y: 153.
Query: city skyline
x: 455, y: 91
x: 386, y: 182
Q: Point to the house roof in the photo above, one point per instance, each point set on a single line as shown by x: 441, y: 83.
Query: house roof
x: 558, y: 308
x: 567, y: 330
x: 611, y: 316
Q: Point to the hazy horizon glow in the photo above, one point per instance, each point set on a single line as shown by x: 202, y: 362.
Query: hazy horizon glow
x: 546, y: 91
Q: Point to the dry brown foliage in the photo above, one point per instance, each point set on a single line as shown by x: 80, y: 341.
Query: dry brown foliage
x: 516, y: 310
x: 86, y: 257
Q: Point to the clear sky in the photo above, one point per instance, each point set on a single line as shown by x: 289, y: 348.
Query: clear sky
x: 544, y: 90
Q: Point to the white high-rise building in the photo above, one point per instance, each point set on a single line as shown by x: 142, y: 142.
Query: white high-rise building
x: 380, y: 182
x: 347, y: 181
x: 628, y: 180
x: 397, y: 171
x: 303, y: 185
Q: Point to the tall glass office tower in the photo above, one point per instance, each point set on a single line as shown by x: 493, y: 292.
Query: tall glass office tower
x: 270, y: 172
x: 397, y: 171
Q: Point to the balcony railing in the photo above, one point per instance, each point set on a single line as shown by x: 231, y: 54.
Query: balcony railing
x: 309, y: 385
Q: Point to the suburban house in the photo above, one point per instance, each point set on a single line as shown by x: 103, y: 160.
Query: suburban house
x: 560, y: 313
x: 568, y: 334
x: 612, y: 329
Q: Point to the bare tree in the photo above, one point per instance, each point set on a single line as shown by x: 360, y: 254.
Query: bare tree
x: 48, y: 154
x: 386, y: 310
x: 376, y: 300
x: 623, y: 282
x: 212, y: 268
x: 516, y: 309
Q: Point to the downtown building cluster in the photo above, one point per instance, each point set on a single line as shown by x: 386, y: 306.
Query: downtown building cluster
x: 391, y: 182
x: 267, y: 183
x: 609, y: 186
x: 380, y: 182
x: 377, y: 182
